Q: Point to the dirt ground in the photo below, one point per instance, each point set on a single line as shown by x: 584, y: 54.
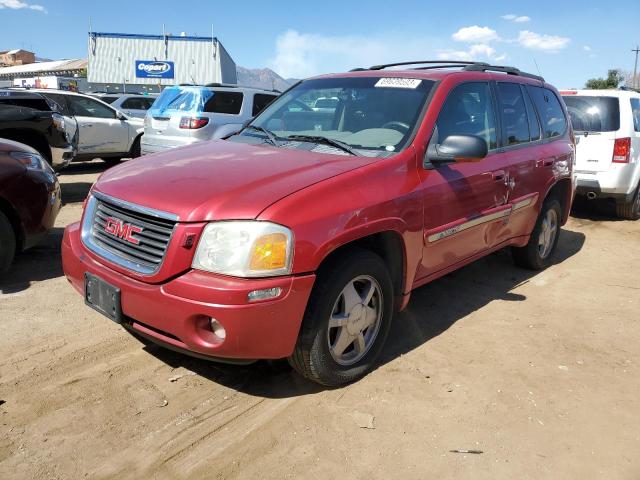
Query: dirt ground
x: 538, y: 371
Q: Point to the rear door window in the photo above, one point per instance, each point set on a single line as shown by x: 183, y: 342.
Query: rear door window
x: 534, y: 123
x: 513, y: 113
x: 135, y: 103
x: 224, y: 102
x: 635, y: 110
x: 260, y: 101
x: 551, y: 114
x: 107, y: 99
x: 593, y: 114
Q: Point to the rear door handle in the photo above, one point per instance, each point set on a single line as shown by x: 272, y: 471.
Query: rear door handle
x: 498, y: 175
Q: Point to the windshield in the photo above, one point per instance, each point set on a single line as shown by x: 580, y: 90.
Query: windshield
x: 368, y: 113
x: 593, y: 114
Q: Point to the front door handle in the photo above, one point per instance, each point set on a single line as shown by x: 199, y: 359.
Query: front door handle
x: 498, y: 175
x: 546, y: 162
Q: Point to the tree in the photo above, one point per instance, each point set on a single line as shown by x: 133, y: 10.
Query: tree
x: 614, y: 78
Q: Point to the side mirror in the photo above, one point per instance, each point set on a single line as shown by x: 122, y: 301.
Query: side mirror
x: 120, y: 115
x: 456, y: 148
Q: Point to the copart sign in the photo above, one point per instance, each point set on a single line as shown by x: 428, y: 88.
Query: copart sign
x: 154, y: 69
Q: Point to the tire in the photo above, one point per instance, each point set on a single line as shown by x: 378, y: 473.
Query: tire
x: 7, y: 243
x: 535, y: 255
x: 135, y: 149
x: 111, y: 161
x: 322, y: 353
x: 630, y: 210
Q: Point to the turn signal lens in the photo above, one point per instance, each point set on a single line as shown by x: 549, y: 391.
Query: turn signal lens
x: 269, y: 252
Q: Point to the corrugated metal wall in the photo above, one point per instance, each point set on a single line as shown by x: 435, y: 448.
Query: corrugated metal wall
x: 112, y: 59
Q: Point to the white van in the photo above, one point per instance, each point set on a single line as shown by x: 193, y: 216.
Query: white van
x: 607, y: 126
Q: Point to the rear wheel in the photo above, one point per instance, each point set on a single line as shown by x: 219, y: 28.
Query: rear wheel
x: 347, y: 320
x: 630, y: 210
x: 7, y: 243
x: 538, y: 253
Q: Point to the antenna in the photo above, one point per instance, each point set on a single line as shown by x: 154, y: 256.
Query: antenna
x: 537, y: 67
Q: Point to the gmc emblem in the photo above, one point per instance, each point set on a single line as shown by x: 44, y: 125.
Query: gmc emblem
x: 125, y: 231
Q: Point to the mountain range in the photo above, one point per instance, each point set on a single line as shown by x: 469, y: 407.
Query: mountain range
x: 263, y: 78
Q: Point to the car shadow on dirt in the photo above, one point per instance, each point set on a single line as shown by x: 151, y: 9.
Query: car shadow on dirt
x: 430, y: 312
x: 41, y: 262
x: 596, y: 210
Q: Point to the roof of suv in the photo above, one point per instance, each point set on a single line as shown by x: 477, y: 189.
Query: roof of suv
x: 229, y: 86
x: 440, y: 69
x: 624, y: 93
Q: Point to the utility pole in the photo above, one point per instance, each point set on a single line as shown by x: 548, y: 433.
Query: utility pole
x: 635, y: 68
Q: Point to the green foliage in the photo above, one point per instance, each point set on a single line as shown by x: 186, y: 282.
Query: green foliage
x: 614, y: 78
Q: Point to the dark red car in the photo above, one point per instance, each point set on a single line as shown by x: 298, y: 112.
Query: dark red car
x: 29, y: 199
x: 301, y: 236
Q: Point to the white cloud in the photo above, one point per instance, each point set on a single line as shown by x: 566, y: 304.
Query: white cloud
x: 479, y: 51
x: 17, y: 5
x: 586, y: 48
x: 516, y: 18
x: 474, y: 34
x: 301, y: 55
x: 537, y: 41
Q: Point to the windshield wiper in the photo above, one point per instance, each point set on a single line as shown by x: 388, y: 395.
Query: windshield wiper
x: 269, y: 134
x: 345, y: 147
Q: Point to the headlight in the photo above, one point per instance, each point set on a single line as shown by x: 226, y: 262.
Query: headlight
x: 32, y: 161
x: 245, y: 249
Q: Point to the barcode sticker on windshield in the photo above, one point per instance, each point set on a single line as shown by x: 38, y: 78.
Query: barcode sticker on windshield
x: 399, y: 82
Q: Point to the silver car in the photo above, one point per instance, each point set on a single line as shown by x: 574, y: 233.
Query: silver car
x: 134, y: 105
x: 186, y: 114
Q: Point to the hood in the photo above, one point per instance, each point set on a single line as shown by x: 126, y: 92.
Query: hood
x: 221, y: 180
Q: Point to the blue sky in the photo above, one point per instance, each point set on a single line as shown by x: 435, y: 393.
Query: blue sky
x: 570, y: 41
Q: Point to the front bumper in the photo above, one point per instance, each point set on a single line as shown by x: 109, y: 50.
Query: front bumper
x: 61, y: 157
x: 176, y: 313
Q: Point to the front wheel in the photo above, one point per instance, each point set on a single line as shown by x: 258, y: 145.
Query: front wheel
x: 538, y: 253
x: 347, y: 320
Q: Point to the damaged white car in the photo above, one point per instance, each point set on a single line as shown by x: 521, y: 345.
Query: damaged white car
x: 104, y: 132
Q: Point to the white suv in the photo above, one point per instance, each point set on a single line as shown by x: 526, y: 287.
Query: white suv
x: 607, y: 125
x: 104, y: 132
x: 186, y: 114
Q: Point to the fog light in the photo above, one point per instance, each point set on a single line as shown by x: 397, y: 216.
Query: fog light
x: 265, y: 294
x: 217, y: 329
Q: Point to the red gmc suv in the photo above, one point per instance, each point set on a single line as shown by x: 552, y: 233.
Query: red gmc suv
x: 302, y: 234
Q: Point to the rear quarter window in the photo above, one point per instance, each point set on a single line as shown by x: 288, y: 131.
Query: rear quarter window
x: 224, y: 102
x: 593, y: 114
x: 554, y: 123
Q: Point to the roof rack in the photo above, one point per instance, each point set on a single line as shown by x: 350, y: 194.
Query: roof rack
x: 466, y: 66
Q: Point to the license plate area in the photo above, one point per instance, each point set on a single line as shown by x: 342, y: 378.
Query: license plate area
x: 102, y: 297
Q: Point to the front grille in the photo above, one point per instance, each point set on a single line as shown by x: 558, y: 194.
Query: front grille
x: 128, y: 235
